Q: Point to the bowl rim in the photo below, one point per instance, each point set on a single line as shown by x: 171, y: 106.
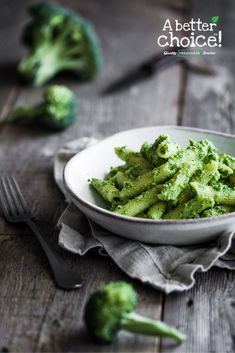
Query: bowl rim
x: 130, y: 219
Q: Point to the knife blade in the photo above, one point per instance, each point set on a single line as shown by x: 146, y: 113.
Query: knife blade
x: 147, y: 69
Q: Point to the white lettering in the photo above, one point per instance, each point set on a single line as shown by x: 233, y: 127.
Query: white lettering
x: 159, y: 41
x: 167, y: 25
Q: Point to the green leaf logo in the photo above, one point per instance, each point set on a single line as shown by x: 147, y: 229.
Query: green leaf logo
x: 214, y: 19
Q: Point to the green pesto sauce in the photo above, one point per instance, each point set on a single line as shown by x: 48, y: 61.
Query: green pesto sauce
x: 195, y: 181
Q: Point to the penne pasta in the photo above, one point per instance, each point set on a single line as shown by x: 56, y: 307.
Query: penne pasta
x: 164, y: 181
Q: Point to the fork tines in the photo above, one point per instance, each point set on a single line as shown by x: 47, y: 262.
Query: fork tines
x: 12, y: 202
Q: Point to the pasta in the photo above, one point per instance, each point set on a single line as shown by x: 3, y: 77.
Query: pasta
x: 165, y: 181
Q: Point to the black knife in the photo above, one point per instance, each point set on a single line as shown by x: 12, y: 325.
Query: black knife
x: 150, y: 67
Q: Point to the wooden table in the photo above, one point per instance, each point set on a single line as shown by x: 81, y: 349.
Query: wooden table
x: 30, y: 305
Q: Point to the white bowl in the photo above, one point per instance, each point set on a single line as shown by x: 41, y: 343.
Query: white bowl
x: 95, y: 162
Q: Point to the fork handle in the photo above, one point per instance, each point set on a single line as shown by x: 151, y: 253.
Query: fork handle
x: 64, y: 277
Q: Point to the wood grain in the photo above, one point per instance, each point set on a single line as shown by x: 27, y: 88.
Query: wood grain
x: 209, y: 101
x: 12, y: 22
x: 29, y: 301
x: 204, y: 313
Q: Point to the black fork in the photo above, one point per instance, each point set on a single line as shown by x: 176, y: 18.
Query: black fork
x: 15, y: 210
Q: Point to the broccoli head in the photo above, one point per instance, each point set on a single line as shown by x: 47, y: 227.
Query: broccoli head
x: 58, y: 40
x: 57, y: 111
x: 111, y: 309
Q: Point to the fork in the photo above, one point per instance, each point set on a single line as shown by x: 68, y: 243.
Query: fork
x: 15, y: 210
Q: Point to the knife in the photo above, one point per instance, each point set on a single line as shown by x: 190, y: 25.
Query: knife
x: 148, y: 68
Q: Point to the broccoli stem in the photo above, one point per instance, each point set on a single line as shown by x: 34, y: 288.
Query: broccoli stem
x: 43, y: 64
x: 136, y: 323
x: 23, y: 114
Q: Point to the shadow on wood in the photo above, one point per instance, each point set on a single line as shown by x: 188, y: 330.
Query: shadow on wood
x: 8, y: 73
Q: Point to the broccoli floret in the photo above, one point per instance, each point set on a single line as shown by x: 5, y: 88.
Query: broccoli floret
x: 57, y: 111
x: 58, y: 40
x: 111, y: 309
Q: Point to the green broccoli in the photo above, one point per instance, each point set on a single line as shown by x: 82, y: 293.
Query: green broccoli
x: 111, y: 309
x: 57, y: 111
x: 58, y: 40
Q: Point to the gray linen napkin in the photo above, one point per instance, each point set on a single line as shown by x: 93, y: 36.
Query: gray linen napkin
x: 168, y: 268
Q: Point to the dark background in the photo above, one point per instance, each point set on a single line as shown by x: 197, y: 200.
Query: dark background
x: 29, y: 301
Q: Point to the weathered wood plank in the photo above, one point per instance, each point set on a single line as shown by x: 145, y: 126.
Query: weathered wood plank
x: 29, y: 301
x: 209, y: 101
x: 11, y: 50
x: 204, y: 313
